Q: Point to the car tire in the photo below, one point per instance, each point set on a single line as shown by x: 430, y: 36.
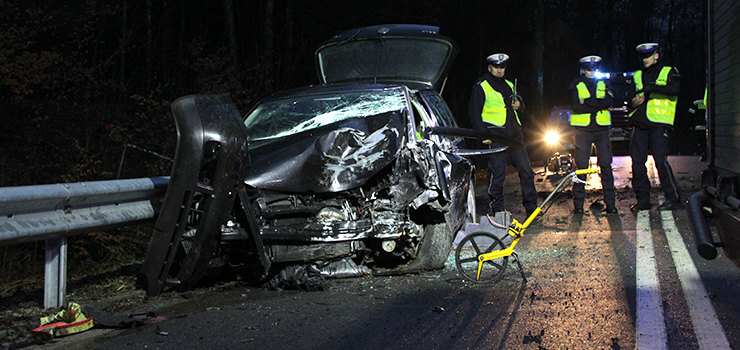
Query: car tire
x: 435, y: 247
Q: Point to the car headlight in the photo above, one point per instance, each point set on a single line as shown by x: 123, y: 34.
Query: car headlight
x: 552, y: 138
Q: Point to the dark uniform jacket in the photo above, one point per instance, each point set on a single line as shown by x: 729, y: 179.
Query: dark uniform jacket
x: 649, y: 75
x: 511, y: 129
x: 591, y: 105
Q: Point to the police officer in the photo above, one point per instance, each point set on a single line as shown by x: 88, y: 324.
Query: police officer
x: 494, y: 108
x: 657, y: 88
x: 590, y: 102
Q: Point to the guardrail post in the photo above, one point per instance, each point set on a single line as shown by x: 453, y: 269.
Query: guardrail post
x: 55, y: 274
x: 57, y: 211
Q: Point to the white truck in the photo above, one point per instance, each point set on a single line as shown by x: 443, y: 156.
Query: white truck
x: 718, y: 202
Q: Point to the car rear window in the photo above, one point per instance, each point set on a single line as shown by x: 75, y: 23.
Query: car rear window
x: 398, y: 59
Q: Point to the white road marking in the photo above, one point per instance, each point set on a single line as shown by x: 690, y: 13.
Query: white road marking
x: 651, y: 332
x: 709, y: 331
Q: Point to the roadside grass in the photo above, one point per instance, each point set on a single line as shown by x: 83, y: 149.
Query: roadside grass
x: 98, y: 262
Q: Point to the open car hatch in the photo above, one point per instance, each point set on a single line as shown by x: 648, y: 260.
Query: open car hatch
x: 413, y: 55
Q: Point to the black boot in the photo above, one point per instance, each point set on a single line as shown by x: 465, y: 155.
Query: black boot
x: 671, y: 205
x: 578, y: 209
x: 611, y: 209
x: 640, y: 206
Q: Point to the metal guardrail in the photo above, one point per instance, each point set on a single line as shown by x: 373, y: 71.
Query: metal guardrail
x: 55, y: 212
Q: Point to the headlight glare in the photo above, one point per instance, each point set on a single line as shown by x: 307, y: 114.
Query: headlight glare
x: 552, y: 138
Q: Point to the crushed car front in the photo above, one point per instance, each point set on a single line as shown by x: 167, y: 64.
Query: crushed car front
x: 346, y: 171
x: 336, y: 164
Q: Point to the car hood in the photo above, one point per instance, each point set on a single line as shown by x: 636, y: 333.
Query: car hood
x: 413, y: 55
x: 333, y: 158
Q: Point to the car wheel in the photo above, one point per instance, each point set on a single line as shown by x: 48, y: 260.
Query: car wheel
x: 435, y: 247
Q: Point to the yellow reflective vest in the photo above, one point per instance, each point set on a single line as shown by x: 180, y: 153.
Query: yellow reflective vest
x: 603, y: 117
x: 660, y: 108
x: 494, y: 109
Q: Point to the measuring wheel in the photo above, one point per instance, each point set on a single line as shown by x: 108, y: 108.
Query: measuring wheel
x: 468, y: 251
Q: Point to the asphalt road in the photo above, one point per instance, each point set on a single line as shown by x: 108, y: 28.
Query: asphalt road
x: 594, y: 282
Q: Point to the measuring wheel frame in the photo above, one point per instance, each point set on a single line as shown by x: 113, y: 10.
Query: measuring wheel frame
x: 488, y: 266
x: 468, y: 253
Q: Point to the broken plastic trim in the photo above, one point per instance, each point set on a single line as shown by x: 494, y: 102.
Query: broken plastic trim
x: 211, y: 147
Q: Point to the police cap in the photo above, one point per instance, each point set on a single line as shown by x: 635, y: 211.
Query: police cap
x: 590, y: 62
x: 497, y: 59
x: 646, y: 49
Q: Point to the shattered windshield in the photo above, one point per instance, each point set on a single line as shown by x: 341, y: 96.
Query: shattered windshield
x: 274, y: 119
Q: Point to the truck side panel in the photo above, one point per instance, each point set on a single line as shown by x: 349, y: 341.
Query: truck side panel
x: 721, y: 181
x: 725, y: 81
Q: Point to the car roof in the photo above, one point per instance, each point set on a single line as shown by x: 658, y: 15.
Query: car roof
x: 413, y: 55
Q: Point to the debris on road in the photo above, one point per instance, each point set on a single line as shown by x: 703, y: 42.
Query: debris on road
x: 299, y: 277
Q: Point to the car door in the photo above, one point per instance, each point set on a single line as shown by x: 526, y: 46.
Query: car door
x: 458, y: 171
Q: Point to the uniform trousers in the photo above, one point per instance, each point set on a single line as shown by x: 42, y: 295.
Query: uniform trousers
x: 655, y: 141
x: 497, y: 164
x: 600, y: 139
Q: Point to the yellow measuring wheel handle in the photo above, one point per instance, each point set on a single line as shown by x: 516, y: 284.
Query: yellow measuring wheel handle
x: 531, y: 218
x: 586, y: 171
x: 515, y: 228
x: 494, y: 255
x: 480, y: 266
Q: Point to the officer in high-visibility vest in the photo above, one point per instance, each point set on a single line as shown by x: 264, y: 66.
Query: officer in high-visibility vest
x: 656, y: 94
x: 494, y: 107
x: 590, y: 102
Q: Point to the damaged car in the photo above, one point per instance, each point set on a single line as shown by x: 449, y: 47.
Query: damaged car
x: 359, y: 170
